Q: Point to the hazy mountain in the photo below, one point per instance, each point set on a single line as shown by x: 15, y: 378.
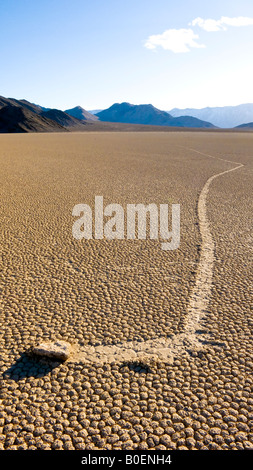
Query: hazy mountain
x: 95, y: 111
x: 15, y: 118
x: 147, y: 114
x: 82, y: 114
x: 249, y: 125
x: 226, y: 117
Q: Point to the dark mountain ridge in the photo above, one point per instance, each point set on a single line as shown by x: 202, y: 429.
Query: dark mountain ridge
x: 62, y: 118
x: 17, y: 119
x: 23, y: 116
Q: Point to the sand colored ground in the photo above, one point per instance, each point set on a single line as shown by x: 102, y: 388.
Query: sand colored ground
x: 100, y: 293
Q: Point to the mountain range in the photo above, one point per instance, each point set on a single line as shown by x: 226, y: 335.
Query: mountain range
x: 148, y: 114
x: 224, y: 117
x: 15, y: 119
x: 23, y: 116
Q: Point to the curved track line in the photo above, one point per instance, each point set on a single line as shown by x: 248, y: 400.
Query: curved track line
x: 163, y: 348
x: 202, y: 291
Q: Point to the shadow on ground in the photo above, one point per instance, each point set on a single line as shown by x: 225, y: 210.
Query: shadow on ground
x: 28, y: 365
x: 136, y: 366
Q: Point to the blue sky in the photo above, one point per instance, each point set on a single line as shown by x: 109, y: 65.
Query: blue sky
x: 62, y: 53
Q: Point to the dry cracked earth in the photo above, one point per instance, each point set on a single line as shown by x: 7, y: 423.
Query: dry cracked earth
x: 105, y: 292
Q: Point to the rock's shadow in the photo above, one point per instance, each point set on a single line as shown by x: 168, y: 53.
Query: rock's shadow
x: 136, y: 366
x: 28, y: 365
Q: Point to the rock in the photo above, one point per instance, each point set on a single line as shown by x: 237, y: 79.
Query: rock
x: 54, y: 349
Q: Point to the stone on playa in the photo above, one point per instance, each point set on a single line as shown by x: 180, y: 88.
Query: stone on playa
x: 54, y: 349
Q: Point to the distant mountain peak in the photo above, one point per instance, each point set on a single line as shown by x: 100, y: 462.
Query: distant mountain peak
x: 147, y: 114
x: 79, y: 113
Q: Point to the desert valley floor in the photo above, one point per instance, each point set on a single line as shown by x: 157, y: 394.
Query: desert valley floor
x: 96, y: 294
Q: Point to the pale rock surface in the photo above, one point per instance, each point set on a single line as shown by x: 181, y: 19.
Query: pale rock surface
x: 56, y: 349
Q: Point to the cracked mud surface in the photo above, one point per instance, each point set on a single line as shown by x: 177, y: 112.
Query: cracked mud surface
x: 101, y: 293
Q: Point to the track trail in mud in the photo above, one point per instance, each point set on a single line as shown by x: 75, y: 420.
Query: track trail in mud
x: 165, y: 349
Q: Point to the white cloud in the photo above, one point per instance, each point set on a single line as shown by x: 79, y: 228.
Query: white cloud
x: 182, y: 40
x: 222, y: 23
x: 175, y: 40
